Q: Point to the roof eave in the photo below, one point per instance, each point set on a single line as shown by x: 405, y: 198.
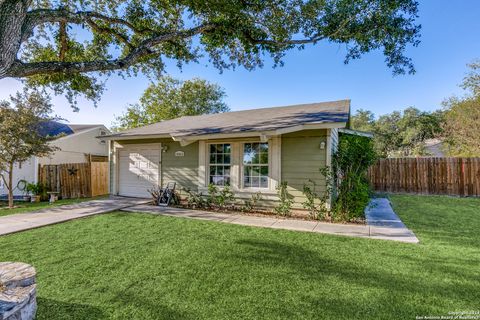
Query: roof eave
x: 356, y: 132
x: 263, y: 134
x: 134, y: 137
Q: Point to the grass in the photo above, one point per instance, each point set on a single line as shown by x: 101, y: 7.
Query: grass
x: 139, y: 266
x: 23, y: 207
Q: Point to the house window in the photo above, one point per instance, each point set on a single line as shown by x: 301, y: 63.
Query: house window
x: 255, y: 165
x: 220, y: 163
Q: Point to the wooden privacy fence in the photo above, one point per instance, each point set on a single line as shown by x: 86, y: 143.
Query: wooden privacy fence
x: 449, y: 176
x: 75, y: 180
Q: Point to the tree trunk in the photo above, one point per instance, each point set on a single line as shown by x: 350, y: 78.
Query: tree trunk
x: 10, y: 185
x: 12, y: 18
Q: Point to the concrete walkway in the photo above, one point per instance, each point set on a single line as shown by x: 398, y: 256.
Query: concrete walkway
x: 379, y: 229
x: 34, y: 219
x: 385, y: 223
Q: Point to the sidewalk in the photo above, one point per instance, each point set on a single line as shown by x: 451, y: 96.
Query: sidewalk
x: 383, y: 226
x: 34, y: 219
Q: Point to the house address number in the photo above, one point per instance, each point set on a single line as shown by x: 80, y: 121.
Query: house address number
x: 179, y: 153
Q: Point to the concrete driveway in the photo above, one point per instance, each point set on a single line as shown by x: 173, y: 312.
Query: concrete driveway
x: 34, y: 219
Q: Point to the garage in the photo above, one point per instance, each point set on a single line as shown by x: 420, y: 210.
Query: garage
x: 138, y: 169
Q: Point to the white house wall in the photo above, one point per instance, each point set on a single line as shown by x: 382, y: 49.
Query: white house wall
x: 74, y: 148
x: 24, y: 171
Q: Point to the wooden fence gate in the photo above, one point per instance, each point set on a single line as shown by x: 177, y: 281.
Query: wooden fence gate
x: 75, y: 180
x: 449, y: 176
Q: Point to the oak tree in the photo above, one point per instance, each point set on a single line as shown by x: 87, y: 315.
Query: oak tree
x: 400, y: 133
x: 171, y: 98
x: 71, y: 45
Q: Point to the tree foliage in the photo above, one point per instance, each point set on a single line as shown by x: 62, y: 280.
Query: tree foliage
x: 21, y: 119
x: 68, y: 44
x: 363, y: 120
x: 350, y: 163
x: 400, y: 134
x: 462, y: 117
x: 171, y: 98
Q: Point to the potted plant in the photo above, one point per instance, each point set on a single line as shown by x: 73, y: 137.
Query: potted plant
x: 36, y: 190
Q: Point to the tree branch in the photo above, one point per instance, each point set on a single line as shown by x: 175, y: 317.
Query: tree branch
x: 105, y: 30
x: 63, y: 40
x: 314, y: 39
x: 20, y: 69
x: 41, y: 16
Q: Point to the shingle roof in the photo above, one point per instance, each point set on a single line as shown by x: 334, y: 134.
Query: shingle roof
x: 255, y: 120
x: 55, y: 128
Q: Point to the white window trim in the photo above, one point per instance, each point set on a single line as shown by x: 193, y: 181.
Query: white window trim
x: 242, y: 168
x: 236, y: 165
x: 222, y: 164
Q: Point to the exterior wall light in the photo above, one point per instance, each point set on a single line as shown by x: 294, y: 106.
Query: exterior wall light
x: 322, y: 145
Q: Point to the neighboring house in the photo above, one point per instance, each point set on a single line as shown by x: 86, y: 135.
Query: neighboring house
x: 76, y: 143
x: 434, y: 147
x: 251, y: 150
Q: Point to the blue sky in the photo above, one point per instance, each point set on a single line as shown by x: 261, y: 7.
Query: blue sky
x: 450, y: 39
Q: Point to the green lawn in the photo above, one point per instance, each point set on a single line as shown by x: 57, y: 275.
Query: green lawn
x: 22, y: 207
x: 139, y: 266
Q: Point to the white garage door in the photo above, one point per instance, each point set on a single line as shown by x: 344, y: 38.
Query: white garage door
x: 138, y: 169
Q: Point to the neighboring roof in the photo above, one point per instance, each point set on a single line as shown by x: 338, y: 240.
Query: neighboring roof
x: 356, y: 132
x: 55, y: 128
x: 82, y: 127
x: 254, y: 120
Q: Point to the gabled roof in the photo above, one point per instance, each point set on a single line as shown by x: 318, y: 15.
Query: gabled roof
x: 245, y: 121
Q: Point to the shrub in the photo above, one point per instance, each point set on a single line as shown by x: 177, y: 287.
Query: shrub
x: 250, y: 205
x: 284, y: 206
x: 212, y: 195
x: 155, y: 193
x: 195, y: 200
x: 220, y: 198
x: 350, y: 164
x: 315, y: 204
x: 225, y: 198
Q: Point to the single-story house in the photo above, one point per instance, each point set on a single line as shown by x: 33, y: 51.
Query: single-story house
x: 250, y: 150
x: 77, y: 143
